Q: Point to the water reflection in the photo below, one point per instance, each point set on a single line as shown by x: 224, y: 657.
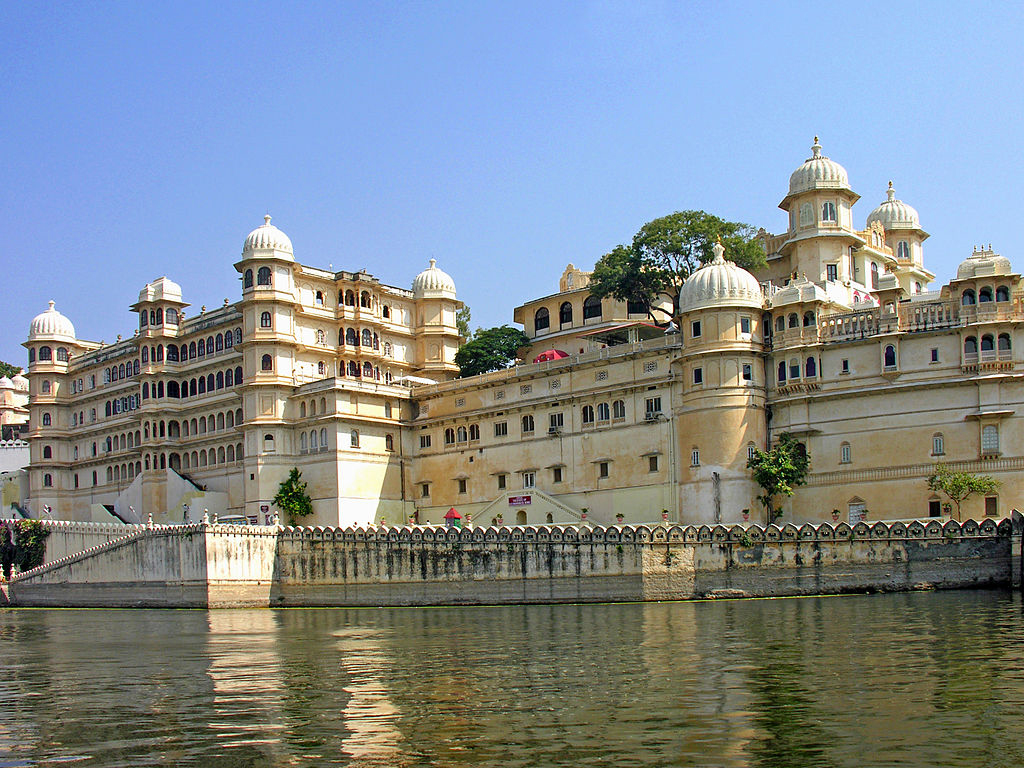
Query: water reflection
x: 915, y: 680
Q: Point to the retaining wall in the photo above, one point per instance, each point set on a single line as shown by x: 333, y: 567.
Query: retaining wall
x: 217, y: 565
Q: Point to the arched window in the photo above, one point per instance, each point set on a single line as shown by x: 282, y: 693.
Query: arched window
x: 376, y: 341
x: 247, y: 280
x: 313, y: 442
x: 938, y: 444
x: 48, y: 480
x: 353, y: 368
x: 987, y: 343
x: 808, y: 319
x: 811, y: 368
x: 145, y: 390
x: 541, y: 319
x: 229, y: 339
x: 351, y: 337
x: 874, y: 275
x: 268, y: 443
x: 367, y: 371
x: 1004, y: 342
x: 985, y: 295
x: 889, y: 356
x: 794, y: 369
x: 220, y: 380
x: 45, y: 353
x: 794, y: 320
x: 782, y: 371
x: 844, y: 453
x: 968, y: 298
x: 47, y: 452
x: 267, y: 363
x: 201, y: 348
x: 238, y: 335
x: 449, y: 436
x: 152, y: 317
x: 828, y: 211
x: 806, y: 215
x: 172, y: 317
x: 364, y: 299
x: 1002, y: 293
x: 903, y: 249
x: 970, y: 346
x: 591, y: 308
x: 229, y: 378
x: 389, y: 442
x: 588, y: 414
x: 565, y: 313
x: 602, y: 412
x: 143, y: 319
x: 319, y: 299
x: 321, y: 368
x: 386, y: 312
x: 218, y: 343
x: 263, y: 276
x: 619, y: 409
x: 107, y: 409
x: 353, y: 438
x: 45, y: 387
x: 474, y: 431
x: 462, y: 434
x: 160, y: 316
x: 527, y: 423
x: 917, y: 287
x: 367, y: 337
x: 350, y: 299
x: 780, y: 323
x: 238, y: 375
x: 32, y: 355
x: 172, y: 354
x: 62, y: 354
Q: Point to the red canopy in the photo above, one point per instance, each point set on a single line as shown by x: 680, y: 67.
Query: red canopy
x: 550, y: 354
x: 452, y: 515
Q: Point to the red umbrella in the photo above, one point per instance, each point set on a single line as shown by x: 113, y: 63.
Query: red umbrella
x: 550, y: 354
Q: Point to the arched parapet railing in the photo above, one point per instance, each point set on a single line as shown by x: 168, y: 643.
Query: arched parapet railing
x: 862, y: 530
x: 642, y: 533
x: 659, y: 535
x: 570, y: 534
x: 689, y: 533
x: 773, y: 533
x: 1004, y: 527
x: 951, y: 529
x: 703, y: 533
x: 988, y: 528
x: 970, y: 528
x: 825, y: 531
x: 807, y: 532
x: 610, y: 535
x: 627, y: 534
x: 719, y: 533
x: 898, y: 530
x: 843, y: 532
x: 789, y: 532
x: 880, y: 531
x: 933, y: 530
x: 738, y: 533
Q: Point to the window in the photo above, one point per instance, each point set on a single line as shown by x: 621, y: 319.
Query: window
x: 46, y: 419
x: 652, y: 463
x: 917, y: 286
x: 565, y: 313
x: 811, y: 368
x: 389, y: 442
x: 970, y: 346
x: 555, y: 421
x: 935, y: 355
x: 449, y: 436
x: 832, y: 272
x: 474, y: 431
x: 938, y: 445
x: 500, y: 428
x: 652, y: 405
x: 424, y: 441
x: 903, y: 249
x: 619, y: 409
x: 808, y: 319
x: 527, y: 423
x: 588, y: 414
x: 874, y: 275
x: 367, y: 337
x: 556, y: 474
x: 529, y: 479
x: 602, y: 469
x: 45, y: 353
x: 1004, y: 343
x: 48, y: 480
x: 844, y: 453
x: 268, y: 443
x: 45, y: 387
x: 744, y: 325
x: 828, y: 211
x: 502, y: 482
x: 698, y: 375
x: 462, y: 484
x: 591, y: 308
x: 603, y: 412
x: 751, y: 451
x: 695, y: 457
x: 695, y: 329
x: 991, y: 506
x: 462, y: 435
x: 263, y: 276
x: 748, y: 372
x: 793, y: 320
x: 985, y: 295
x: 990, y: 439
x: 319, y: 298
x: 424, y: 490
x: 1002, y: 293
x: 780, y: 323
x: 246, y: 283
x: 267, y: 363
x: 794, y: 369
x: 353, y: 438
x: 47, y: 452
x: 782, y: 372
x: 806, y: 215
x: 889, y: 356
x: 968, y: 298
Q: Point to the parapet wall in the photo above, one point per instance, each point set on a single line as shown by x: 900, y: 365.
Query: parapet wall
x: 217, y: 565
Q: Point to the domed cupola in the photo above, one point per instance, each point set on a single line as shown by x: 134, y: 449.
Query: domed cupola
x: 983, y: 262
x: 20, y: 382
x: 6, y: 383
x: 267, y: 237
x: 720, y: 283
x: 161, y: 289
x: 433, y: 283
x: 51, y: 325
x: 818, y: 172
x: 894, y: 214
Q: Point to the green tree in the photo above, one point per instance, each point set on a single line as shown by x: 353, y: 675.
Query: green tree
x: 958, y: 486
x: 665, y: 252
x: 490, y: 350
x: 779, y: 471
x: 6, y: 369
x: 462, y: 318
x: 292, y: 498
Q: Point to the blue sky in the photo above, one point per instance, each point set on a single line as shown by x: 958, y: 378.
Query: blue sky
x: 503, y: 139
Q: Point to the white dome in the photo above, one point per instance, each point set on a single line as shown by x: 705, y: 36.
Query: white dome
x: 983, y: 263
x: 6, y: 383
x: 720, y: 283
x: 161, y: 289
x: 799, y: 291
x: 51, y: 324
x: 20, y: 382
x: 433, y: 283
x: 894, y: 214
x: 267, y: 237
x: 818, y: 172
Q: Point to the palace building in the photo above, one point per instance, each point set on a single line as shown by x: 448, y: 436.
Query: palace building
x: 840, y: 341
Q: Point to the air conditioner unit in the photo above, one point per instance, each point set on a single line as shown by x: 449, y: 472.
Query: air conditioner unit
x: 652, y: 415
x: 554, y: 430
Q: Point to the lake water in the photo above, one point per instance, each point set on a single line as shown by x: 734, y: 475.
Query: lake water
x: 923, y: 679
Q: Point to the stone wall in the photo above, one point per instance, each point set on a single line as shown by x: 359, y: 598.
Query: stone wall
x: 217, y: 565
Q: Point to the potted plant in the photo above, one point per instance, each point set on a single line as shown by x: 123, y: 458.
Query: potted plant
x: 501, y: 519
x: 664, y: 515
x: 618, y: 517
x: 746, y: 515
x: 835, y: 515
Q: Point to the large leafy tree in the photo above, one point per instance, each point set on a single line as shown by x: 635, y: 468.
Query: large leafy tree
x: 779, y: 471
x: 462, y: 318
x: 490, y: 350
x: 958, y: 486
x: 292, y: 498
x: 6, y: 369
x: 665, y: 252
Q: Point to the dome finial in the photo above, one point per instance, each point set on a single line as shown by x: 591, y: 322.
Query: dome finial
x: 816, y: 148
x: 433, y: 263
x: 266, y: 219
x: 719, y: 250
x: 52, y: 304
